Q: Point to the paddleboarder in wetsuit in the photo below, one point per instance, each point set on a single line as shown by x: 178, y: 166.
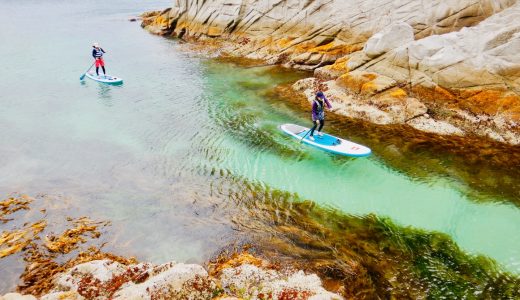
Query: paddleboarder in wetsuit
x: 97, y: 53
x: 318, y: 113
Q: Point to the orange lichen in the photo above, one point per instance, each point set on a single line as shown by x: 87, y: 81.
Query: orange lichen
x: 160, y: 21
x: 398, y: 93
x: 267, y: 41
x: 335, y: 49
x: 224, y: 261
x: 339, y: 65
x: 358, y: 84
x: 284, y: 42
x: 435, y: 94
x: 214, y: 31
x: 491, y: 102
x: 370, y: 76
x: 368, y: 87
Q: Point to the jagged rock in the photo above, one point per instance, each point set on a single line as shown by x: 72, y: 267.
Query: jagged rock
x: 389, y: 38
x: 460, y: 54
x: 334, y: 27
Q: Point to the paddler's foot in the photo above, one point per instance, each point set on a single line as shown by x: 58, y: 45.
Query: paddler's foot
x: 320, y: 135
x: 311, y: 138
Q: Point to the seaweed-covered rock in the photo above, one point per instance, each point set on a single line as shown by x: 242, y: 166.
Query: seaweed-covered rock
x: 106, y: 279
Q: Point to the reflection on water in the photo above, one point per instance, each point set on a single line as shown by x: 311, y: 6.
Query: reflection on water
x: 104, y: 94
x: 159, y: 155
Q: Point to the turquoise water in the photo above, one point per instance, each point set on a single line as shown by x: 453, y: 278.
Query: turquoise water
x: 147, y: 155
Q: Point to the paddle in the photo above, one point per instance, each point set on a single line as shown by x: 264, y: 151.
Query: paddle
x: 83, y: 76
x: 301, y: 140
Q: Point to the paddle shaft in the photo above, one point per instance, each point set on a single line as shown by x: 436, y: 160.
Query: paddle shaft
x: 83, y: 76
x: 305, y: 136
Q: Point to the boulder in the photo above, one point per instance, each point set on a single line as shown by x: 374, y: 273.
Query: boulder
x: 180, y: 281
x: 391, y: 37
x: 256, y: 283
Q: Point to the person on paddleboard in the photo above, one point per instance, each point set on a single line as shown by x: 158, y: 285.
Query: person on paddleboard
x: 97, y: 53
x: 318, y: 113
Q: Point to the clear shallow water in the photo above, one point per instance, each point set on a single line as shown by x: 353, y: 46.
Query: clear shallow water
x: 146, y: 154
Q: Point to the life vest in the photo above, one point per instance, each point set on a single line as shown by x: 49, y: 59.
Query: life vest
x: 98, y: 53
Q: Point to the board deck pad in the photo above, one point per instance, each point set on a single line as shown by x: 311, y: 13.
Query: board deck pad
x: 326, y: 139
x: 326, y: 142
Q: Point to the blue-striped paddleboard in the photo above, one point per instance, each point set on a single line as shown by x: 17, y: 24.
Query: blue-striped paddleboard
x: 326, y: 142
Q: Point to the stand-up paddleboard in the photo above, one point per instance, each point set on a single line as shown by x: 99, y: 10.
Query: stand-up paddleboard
x: 105, y: 78
x: 326, y: 142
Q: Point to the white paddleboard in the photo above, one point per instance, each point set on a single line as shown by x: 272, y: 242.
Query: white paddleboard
x: 326, y: 142
x: 105, y: 78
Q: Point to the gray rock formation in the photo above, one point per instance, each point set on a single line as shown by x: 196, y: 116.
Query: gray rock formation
x: 460, y: 59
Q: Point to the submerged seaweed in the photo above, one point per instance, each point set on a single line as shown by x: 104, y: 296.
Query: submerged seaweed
x: 486, y: 170
x: 367, y: 257
x: 45, y: 254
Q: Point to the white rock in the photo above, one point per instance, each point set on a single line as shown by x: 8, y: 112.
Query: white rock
x: 433, y: 126
x: 70, y: 295
x: 103, y: 270
x: 17, y: 296
x: 170, y: 282
x: 389, y: 38
x: 252, y: 281
x: 304, y: 84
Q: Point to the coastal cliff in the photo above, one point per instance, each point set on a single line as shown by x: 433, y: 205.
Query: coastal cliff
x: 448, y: 67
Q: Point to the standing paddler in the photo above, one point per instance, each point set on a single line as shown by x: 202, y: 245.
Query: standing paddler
x: 97, y: 53
x: 318, y: 113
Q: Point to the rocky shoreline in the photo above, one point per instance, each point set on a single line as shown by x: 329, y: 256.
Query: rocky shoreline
x: 341, y: 256
x: 51, y: 273
x: 446, y: 68
x: 241, y: 277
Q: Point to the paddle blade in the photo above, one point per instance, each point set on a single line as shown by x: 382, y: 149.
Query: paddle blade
x: 82, y: 77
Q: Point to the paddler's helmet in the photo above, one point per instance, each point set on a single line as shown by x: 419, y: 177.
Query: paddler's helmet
x: 95, y: 44
x: 320, y: 95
